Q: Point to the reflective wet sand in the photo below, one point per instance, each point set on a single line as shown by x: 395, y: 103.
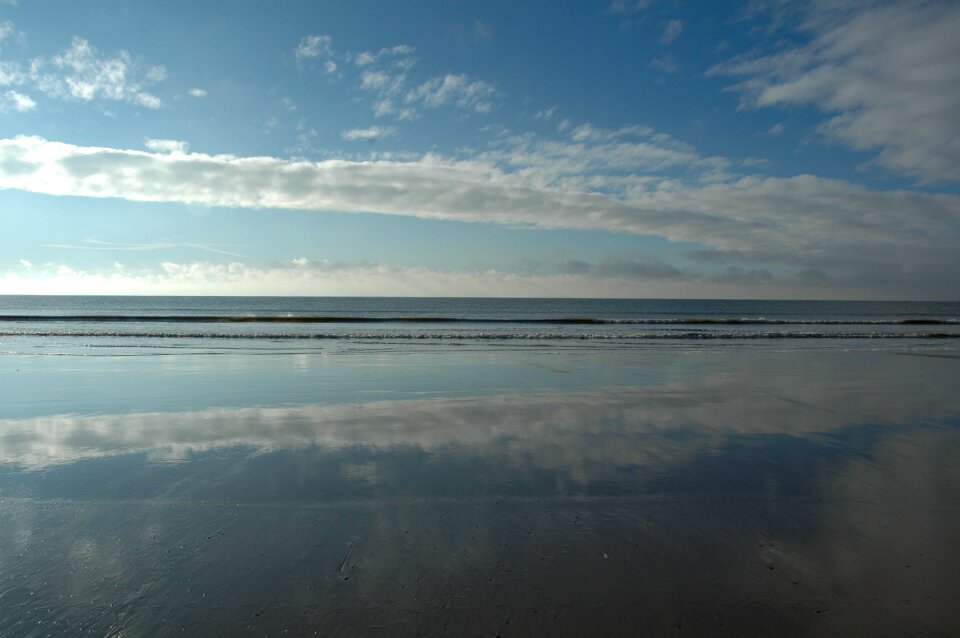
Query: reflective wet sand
x: 513, y: 492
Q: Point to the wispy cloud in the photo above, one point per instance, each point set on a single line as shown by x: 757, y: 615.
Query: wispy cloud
x: 400, y: 55
x: 96, y: 244
x: 319, y: 48
x: 312, y: 46
x: 371, y: 133
x: 457, y: 90
x: 7, y: 31
x: 546, y: 114
x: 617, y: 277
x: 887, y: 72
x: 82, y: 73
x: 197, y: 92
x: 671, y: 31
x: 85, y: 74
x: 387, y: 76
x: 664, y: 64
x: 17, y: 101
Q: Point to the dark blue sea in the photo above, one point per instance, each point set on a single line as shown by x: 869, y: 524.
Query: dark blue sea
x: 75, y: 323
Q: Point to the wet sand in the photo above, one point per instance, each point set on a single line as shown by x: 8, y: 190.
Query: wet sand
x: 513, y: 492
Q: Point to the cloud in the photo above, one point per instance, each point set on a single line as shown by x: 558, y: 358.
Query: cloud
x: 386, y: 76
x: 671, y: 32
x: 167, y: 146
x: 303, y: 276
x: 9, y: 33
x: 88, y: 75
x: 7, y: 29
x: 663, y: 64
x: 887, y: 74
x: 81, y: 73
x: 610, y: 277
x: 546, y: 114
x: 401, y: 54
x: 17, y: 101
x: 776, y: 130
x: 312, y: 46
x: 482, y: 30
x: 372, y: 133
x: 456, y: 90
x: 599, y: 159
x: 374, y: 80
x: 641, y: 269
x: 96, y: 244
x: 197, y: 92
x: 622, y: 267
x: 365, y: 58
x: 599, y: 179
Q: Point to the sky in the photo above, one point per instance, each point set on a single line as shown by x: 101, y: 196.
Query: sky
x: 610, y: 148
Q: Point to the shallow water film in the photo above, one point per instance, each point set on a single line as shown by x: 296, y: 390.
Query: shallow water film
x: 448, y: 489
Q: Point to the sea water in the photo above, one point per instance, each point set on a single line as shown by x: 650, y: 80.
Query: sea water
x: 79, y: 323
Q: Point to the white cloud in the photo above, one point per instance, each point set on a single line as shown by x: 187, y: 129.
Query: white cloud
x: 303, y: 276
x: 7, y: 29
x: 166, y: 146
x: 671, y: 32
x: 601, y: 159
x: 382, y: 107
x: 83, y: 73
x: 9, y: 33
x: 26, y: 264
x: 394, y: 93
x: 776, y: 130
x: 312, y: 46
x: 894, y: 238
x: 365, y: 58
x: 374, y: 80
x: 148, y: 100
x: 197, y: 92
x: 17, y: 101
x: 401, y: 55
x: 887, y: 72
x: 371, y: 133
x: 457, y: 90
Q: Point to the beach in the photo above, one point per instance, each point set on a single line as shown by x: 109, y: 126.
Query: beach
x: 457, y: 488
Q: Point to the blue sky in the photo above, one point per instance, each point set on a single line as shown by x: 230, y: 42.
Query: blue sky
x: 625, y: 148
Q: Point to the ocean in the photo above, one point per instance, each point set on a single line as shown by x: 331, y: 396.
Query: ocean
x: 84, y: 323
x: 513, y: 467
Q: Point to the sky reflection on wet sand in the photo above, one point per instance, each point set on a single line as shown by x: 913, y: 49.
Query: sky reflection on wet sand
x: 780, y: 493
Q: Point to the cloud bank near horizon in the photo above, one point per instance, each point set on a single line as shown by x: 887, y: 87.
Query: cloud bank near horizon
x: 830, y: 228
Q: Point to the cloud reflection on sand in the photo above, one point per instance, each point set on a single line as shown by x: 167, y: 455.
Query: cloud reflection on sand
x: 580, y: 432
x: 782, y: 494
